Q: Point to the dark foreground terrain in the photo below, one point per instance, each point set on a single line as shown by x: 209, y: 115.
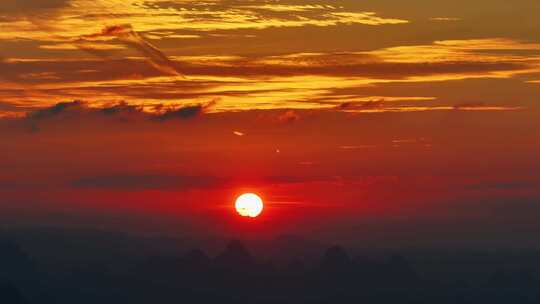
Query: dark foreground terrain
x: 57, y: 267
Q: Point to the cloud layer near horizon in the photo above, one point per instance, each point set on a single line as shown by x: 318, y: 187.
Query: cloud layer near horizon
x: 301, y: 81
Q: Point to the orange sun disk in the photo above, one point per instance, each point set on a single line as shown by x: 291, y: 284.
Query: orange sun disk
x: 249, y: 205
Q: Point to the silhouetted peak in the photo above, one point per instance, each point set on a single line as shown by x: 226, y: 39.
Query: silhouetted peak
x: 335, y: 258
x: 235, y: 254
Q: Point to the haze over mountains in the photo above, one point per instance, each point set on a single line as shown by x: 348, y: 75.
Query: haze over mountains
x: 61, y: 266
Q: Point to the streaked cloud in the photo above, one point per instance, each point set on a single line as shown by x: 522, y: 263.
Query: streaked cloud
x: 484, y: 107
x: 470, y: 50
x: 315, y: 72
x: 183, y: 111
x: 289, y: 117
x: 357, y: 147
x: 78, y: 109
x: 405, y: 109
x: 119, y: 38
x: 139, y: 182
x: 25, y: 6
x: 128, y: 36
x: 445, y: 19
x: 87, y: 46
x: 288, y: 7
x: 82, y: 17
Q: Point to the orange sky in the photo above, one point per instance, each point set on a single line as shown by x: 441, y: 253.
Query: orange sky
x: 344, y: 115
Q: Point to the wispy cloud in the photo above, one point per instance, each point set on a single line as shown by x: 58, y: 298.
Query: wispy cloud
x: 445, y: 19
x: 141, y: 182
x: 505, y: 185
x: 405, y: 109
x: 188, y: 111
x: 136, y: 182
x: 465, y: 50
x: 485, y: 107
x: 287, y: 81
x: 289, y: 117
x: 28, y: 6
x: 57, y: 110
x: 83, y: 16
x: 128, y: 36
x: 357, y: 147
x: 78, y: 109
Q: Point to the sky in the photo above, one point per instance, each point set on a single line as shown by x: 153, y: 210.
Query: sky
x: 414, y: 123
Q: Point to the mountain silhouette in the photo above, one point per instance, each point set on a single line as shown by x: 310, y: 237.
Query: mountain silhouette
x: 236, y: 275
x: 235, y: 257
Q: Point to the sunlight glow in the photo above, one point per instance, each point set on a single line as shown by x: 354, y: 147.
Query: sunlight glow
x: 249, y: 205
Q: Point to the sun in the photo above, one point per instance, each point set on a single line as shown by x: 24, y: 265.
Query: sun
x: 249, y: 205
